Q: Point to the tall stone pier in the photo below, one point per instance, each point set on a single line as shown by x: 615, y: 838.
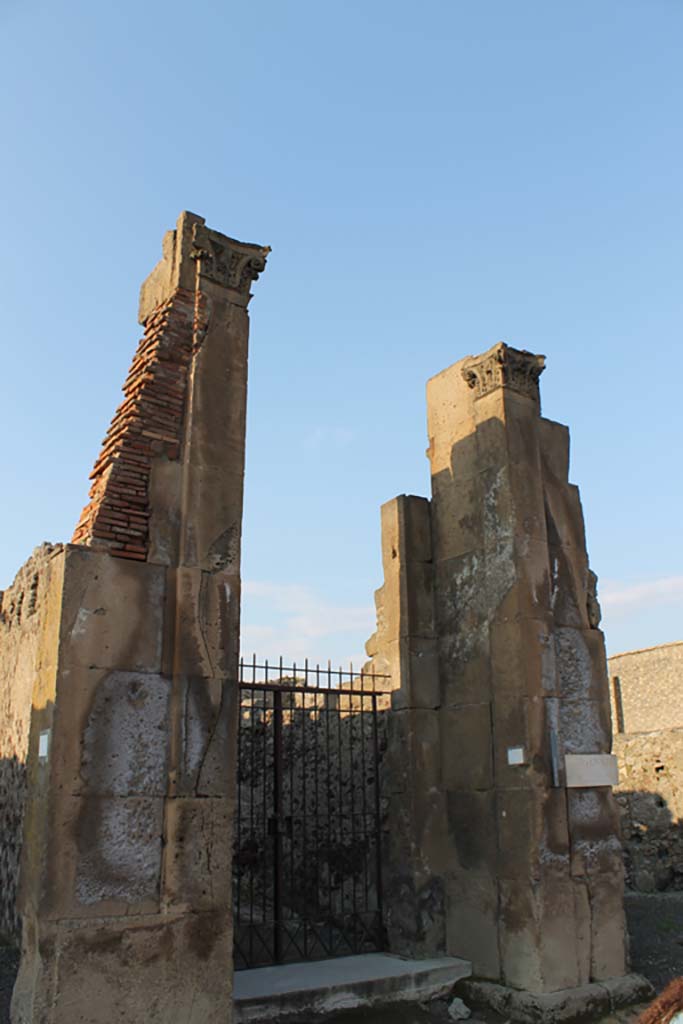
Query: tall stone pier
x: 503, y: 833
x: 125, y: 892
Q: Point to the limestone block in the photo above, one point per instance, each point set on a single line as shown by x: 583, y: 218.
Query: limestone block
x: 418, y: 672
x: 173, y: 967
x: 533, y: 833
x: 198, y: 854
x: 564, y: 515
x: 456, y: 515
x: 491, y: 435
x: 539, y: 942
x: 104, y: 859
x: 465, y: 666
x: 554, y: 446
x: 208, y: 720
x: 518, y: 580
x: 124, y: 745
x: 219, y: 392
x: 450, y: 418
x: 471, y: 829
x: 519, y: 936
x: 115, y: 743
x: 164, y: 502
x: 207, y: 623
x: 416, y: 527
x: 527, y: 498
x: 585, y: 727
x: 581, y: 664
x: 460, y: 600
x: 520, y: 723
x: 211, y: 538
x: 569, y: 585
x: 419, y: 610
x: 472, y: 923
x: 594, y: 826
x: 119, y: 850
x: 608, y: 923
x: 112, y: 613
x: 466, y: 746
x: 523, y: 658
x: 412, y: 750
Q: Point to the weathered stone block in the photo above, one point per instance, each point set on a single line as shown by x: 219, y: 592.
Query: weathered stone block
x: 533, y: 833
x: 523, y: 658
x: 207, y: 623
x: 197, y: 854
x: 472, y: 923
x: 165, y: 484
x: 471, y: 829
x: 456, y: 515
x: 554, y: 447
x: 466, y: 748
x: 113, y: 612
x: 415, y: 665
x: 211, y: 540
x: 173, y: 966
x: 585, y: 727
x: 208, y: 716
x: 581, y: 664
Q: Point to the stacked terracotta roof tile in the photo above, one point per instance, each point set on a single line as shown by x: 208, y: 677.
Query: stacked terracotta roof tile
x: 147, y: 425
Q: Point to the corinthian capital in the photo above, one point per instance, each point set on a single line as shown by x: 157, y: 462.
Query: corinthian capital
x: 504, y: 367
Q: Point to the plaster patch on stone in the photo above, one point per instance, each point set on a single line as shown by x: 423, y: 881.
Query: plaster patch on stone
x: 120, y: 850
x: 574, y: 664
x: 580, y: 729
x: 124, y: 742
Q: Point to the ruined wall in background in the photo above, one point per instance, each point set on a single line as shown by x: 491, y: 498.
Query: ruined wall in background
x: 650, y: 795
x: 26, y: 621
x: 646, y: 691
x: 646, y: 688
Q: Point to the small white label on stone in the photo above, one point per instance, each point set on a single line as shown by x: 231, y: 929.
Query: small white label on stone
x: 44, y: 745
x: 587, y: 770
x: 516, y: 755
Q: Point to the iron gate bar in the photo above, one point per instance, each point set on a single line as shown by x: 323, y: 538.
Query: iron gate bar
x: 312, y: 856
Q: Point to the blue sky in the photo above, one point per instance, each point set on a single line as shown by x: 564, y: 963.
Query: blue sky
x: 432, y: 178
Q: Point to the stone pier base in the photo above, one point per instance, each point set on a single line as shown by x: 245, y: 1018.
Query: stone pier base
x: 566, y: 1006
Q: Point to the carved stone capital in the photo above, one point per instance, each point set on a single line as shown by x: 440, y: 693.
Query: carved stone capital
x: 193, y: 254
x: 504, y: 367
x: 226, y: 261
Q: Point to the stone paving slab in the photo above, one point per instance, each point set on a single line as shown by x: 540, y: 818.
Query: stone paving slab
x: 347, y: 983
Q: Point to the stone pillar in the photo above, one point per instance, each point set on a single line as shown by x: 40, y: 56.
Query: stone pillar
x: 405, y: 647
x: 126, y: 875
x: 535, y: 883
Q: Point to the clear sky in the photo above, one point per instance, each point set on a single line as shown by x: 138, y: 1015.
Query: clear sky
x: 432, y: 178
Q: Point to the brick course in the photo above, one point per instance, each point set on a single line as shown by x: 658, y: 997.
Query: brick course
x: 147, y: 425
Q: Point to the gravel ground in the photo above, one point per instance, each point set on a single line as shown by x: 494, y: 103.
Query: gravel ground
x: 655, y: 922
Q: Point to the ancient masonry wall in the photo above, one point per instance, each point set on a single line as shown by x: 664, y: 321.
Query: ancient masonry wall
x: 650, y: 796
x: 27, y: 624
x: 125, y: 893
x: 646, y: 691
x: 488, y: 624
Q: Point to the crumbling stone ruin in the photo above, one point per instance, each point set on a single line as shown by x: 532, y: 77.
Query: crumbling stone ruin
x: 505, y: 848
x: 124, y: 655
x: 119, y: 687
x: 647, y: 712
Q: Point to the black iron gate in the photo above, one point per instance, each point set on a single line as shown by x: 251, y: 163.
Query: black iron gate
x: 307, y: 878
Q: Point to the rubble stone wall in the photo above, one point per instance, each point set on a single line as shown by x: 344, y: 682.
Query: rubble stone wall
x: 25, y: 622
x: 646, y: 688
x: 650, y: 795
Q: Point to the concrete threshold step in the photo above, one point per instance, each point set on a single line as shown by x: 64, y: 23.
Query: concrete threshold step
x: 347, y: 983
